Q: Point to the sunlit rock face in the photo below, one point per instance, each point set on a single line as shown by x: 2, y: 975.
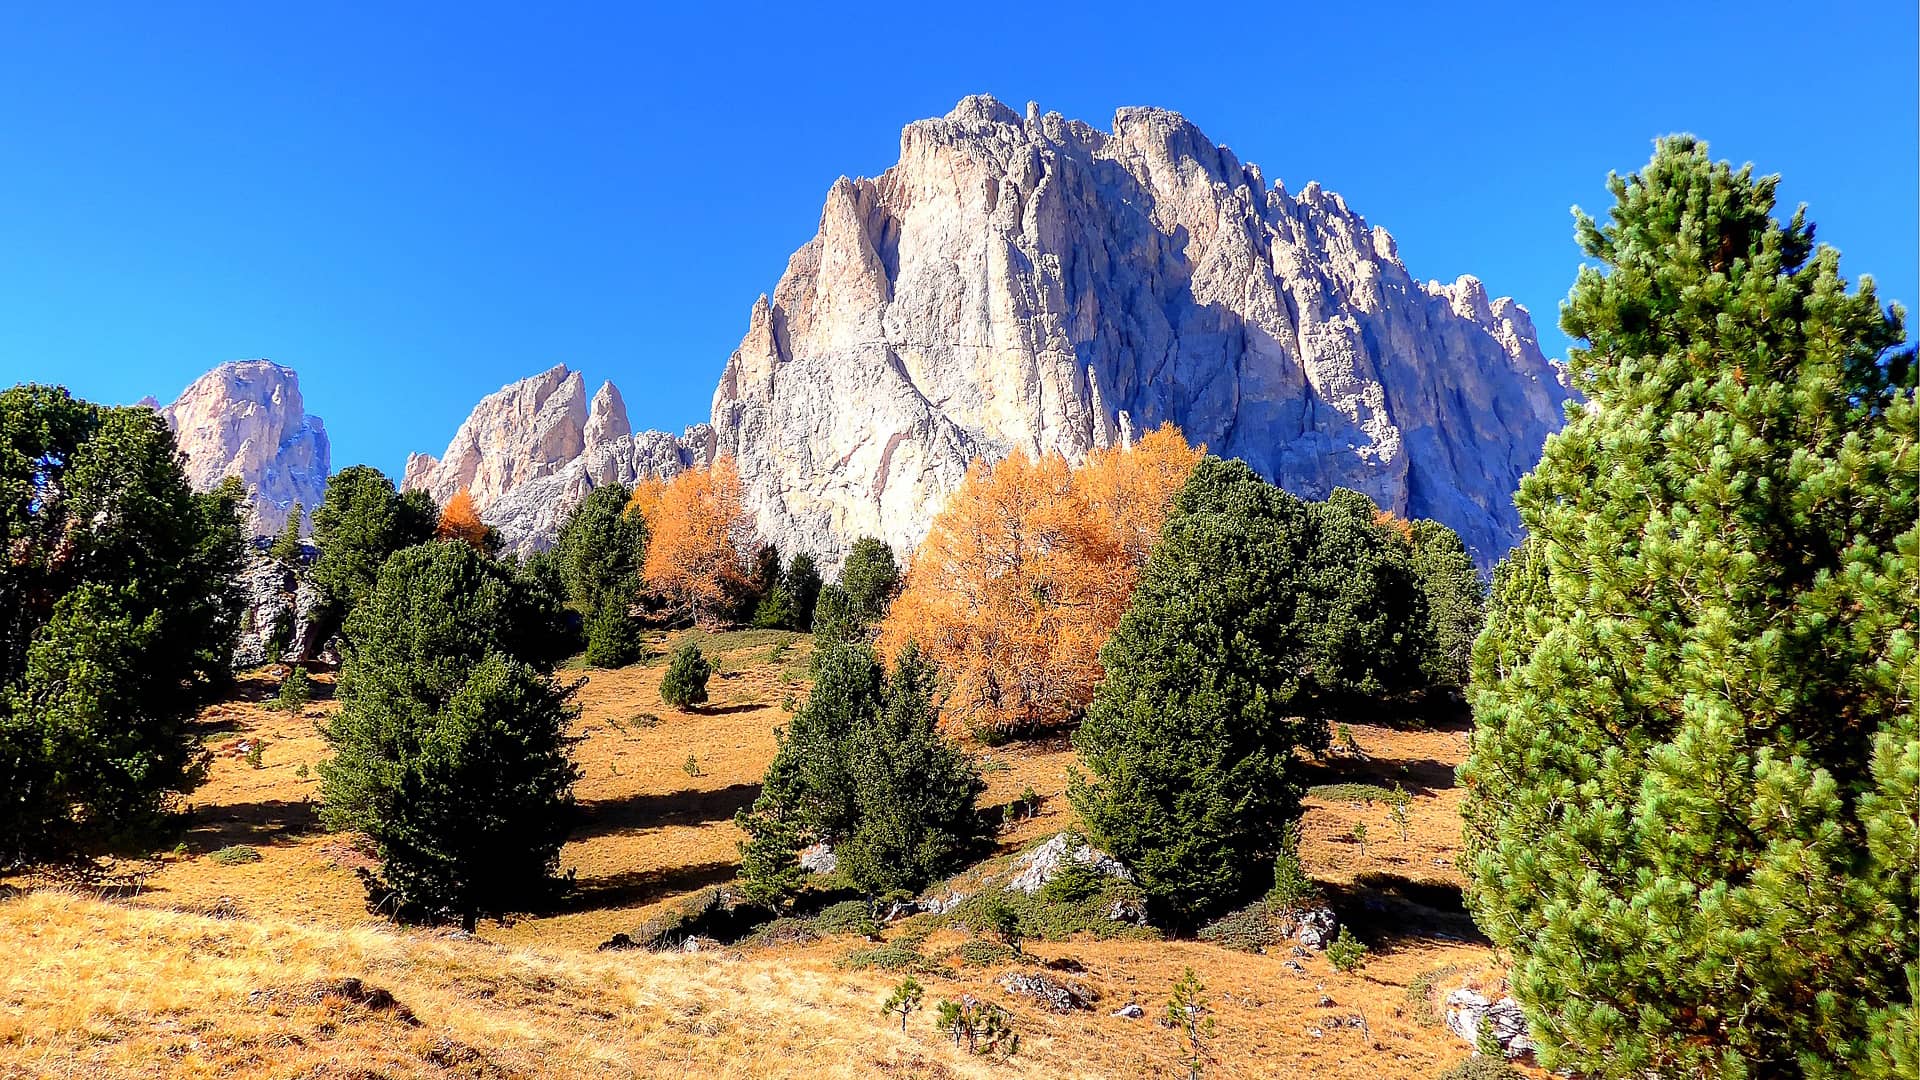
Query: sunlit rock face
x: 1034, y: 284
x: 529, y: 452
x: 246, y: 419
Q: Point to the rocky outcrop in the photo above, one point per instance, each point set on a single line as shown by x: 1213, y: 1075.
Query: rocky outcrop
x: 278, y: 620
x: 1044, y: 863
x: 1034, y: 284
x: 1480, y: 1021
x: 530, y: 452
x: 246, y: 419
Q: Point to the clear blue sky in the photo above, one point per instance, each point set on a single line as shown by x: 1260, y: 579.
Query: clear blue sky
x: 413, y: 209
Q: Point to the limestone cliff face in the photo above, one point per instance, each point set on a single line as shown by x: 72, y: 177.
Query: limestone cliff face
x: 1034, y: 284
x: 532, y: 450
x: 246, y: 419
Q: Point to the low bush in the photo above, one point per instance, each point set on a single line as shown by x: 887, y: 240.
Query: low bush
x: 846, y: 917
x: 984, y: 952
x: 786, y: 930
x: 1423, y: 1001
x: 1482, y: 1068
x: 1351, y: 793
x: 1042, y: 920
x: 236, y: 855
x: 1254, y: 928
x: 888, y: 956
x: 712, y: 912
x: 685, y: 682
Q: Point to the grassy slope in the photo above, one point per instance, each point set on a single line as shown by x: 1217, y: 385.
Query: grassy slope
x: 210, y: 970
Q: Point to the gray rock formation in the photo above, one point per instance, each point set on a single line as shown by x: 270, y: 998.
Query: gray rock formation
x: 529, y: 452
x: 1044, y: 863
x: 246, y: 419
x: 1468, y: 1010
x: 1034, y: 284
x: 277, y: 618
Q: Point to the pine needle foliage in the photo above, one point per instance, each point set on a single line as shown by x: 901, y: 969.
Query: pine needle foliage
x: 1694, y: 781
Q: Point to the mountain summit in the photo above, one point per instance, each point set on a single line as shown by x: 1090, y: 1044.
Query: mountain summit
x: 1034, y: 284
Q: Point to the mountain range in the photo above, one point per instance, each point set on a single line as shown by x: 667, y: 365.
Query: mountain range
x: 1019, y: 283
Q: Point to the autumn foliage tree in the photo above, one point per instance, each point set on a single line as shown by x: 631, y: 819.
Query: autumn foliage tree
x: 1028, y: 569
x: 460, y: 521
x: 695, y: 524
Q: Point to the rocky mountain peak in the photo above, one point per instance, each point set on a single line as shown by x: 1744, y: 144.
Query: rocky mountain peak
x: 1035, y: 284
x: 532, y: 449
x: 246, y: 419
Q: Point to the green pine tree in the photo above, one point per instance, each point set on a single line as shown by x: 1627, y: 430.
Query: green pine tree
x: 287, y: 548
x: 613, y: 638
x: 869, y: 578
x: 1455, y: 602
x: 361, y: 521
x: 600, y: 548
x: 1692, y: 800
x: 1191, y: 735
x: 118, y: 613
x: 685, y: 682
x: 914, y: 792
x: 450, y: 745
x: 802, y: 582
x: 863, y: 766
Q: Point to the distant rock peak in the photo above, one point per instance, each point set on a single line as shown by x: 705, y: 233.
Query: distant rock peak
x: 532, y: 450
x: 247, y: 419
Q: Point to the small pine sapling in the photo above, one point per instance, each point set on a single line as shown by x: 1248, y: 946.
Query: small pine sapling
x: 1359, y: 835
x: 685, y: 683
x: 1345, y: 745
x: 692, y: 765
x: 295, y: 690
x: 1347, y: 953
x: 905, y: 1000
x: 1003, y: 922
x: 1398, y: 811
x: 256, y: 754
x: 1292, y: 889
x: 1188, y: 1014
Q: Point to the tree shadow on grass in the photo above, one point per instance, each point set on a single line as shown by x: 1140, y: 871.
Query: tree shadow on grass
x: 1386, y: 910
x: 689, y: 806
x: 727, y: 710
x: 634, y: 888
x: 269, y: 821
x: 1420, y: 776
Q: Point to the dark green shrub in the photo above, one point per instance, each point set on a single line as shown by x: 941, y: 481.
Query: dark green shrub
x: 1482, y: 1068
x: 450, y: 745
x: 685, y: 683
x: 1074, y: 883
x: 847, y: 917
x: 869, y: 578
x: 613, y: 638
x: 118, y: 615
x: 802, y: 583
x: 1254, y: 928
x: 234, y: 855
x: 287, y: 549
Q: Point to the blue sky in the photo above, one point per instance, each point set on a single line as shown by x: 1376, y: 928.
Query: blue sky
x: 413, y: 209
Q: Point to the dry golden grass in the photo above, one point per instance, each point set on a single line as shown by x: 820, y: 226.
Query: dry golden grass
x: 211, y: 970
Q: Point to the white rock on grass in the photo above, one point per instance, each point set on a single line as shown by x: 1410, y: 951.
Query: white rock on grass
x: 1043, y: 864
x: 1468, y: 1010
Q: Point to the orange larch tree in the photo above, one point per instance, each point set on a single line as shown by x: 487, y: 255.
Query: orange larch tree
x: 460, y: 521
x: 1027, y: 570
x: 696, y: 529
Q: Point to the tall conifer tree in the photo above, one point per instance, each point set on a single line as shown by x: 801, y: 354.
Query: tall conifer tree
x: 1692, y: 786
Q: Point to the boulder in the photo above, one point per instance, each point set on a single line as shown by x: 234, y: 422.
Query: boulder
x: 1043, y: 864
x: 1055, y: 994
x: 1468, y: 1011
